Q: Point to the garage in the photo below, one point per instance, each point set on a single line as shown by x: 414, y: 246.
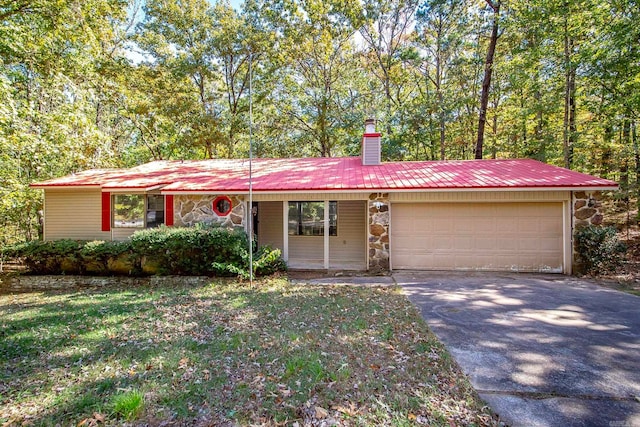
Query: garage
x: 522, y: 236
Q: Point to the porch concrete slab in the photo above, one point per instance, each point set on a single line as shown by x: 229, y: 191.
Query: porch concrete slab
x: 360, y: 280
x: 541, y: 350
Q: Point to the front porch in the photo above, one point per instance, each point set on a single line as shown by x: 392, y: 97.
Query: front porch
x: 336, y: 238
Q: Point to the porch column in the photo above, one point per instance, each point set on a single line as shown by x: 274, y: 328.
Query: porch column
x: 285, y: 231
x: 378, y: 211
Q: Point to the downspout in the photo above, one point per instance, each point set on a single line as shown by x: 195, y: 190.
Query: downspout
x: 326, y: 235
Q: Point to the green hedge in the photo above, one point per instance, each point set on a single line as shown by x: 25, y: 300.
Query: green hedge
x: 200, y: 250
x: 598, y: 249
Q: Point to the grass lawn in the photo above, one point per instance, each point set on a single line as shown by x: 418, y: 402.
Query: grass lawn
x: 226, y: 354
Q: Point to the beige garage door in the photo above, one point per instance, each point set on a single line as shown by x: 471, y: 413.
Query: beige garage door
x: 477, y: 236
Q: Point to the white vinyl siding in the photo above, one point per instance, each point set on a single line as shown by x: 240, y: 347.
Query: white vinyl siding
x: 270, y: 224
x: 122, y: 233
x: 74, y: 214
x: 306, y: 251
x: 347, y: 250
x: 371, y: 150
x: 517, y: 236
x: 480, y: 196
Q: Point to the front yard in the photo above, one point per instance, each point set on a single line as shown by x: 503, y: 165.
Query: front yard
x: 226, y: 354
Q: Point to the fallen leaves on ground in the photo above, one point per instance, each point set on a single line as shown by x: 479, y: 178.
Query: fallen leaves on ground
x: 229, y: 354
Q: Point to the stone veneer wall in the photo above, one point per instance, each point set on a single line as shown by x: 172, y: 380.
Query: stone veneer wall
x: 378, y: 207
x: 586, y: 209
x: 191, y: 210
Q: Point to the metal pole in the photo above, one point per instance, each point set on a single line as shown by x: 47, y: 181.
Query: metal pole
x: 250, y: 216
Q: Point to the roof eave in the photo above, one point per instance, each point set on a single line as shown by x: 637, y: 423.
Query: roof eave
x: 136, y: 189
x: 62, y: 186
x: 393, y: 190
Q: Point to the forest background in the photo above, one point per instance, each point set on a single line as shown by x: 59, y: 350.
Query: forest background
x: 115, y: 83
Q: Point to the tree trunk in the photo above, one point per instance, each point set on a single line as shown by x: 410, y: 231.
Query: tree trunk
x: 570, y: 130
x: 524, y: 130
x: 486, y: 82
x: 494, y: 146
x: 624, y: 164
x: 540, y: 125
x: 636, y: 155
x: 607, y: 152
x: 440, y: 97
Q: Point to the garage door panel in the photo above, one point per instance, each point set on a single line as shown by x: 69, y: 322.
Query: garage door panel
x: 475, y: 226
x: 477, y: 236
x: 438, y: 243
x: 549, y: 244
x: 484, y: 225
x: 489, y: 262
x: 527, y: 244
x: 462, y: 243
x: 488, y: 244
x: 465, y: 226
x: 441, y: 225
x: 528, y: 225
x: 447, y: 261
x: 507, y: 244
x: 404, y: 228
x: 551, y: 225
x: 509, y: 225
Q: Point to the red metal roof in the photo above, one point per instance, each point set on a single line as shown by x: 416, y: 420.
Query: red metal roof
x: 332, y: 174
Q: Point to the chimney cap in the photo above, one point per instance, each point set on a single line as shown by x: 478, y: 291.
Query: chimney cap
x: 370, y: 125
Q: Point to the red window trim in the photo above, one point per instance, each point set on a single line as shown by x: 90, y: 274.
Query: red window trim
x: 218, y: 200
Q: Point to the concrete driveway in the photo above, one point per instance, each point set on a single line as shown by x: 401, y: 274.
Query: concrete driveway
x: 542, y: 350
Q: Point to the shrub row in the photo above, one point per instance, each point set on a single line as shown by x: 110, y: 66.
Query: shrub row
x: 599, y: 250
x: 200, y: 250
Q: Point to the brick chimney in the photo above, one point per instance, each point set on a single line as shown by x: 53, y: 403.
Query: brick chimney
x: 370, y: 144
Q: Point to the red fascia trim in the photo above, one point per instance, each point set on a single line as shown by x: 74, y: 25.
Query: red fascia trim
x: 106, y: 211
x: 371, y: 135
x: 168, y: 210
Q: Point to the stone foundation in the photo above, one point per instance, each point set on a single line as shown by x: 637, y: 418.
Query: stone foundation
x: 191, y: 210
x: 378, y: 208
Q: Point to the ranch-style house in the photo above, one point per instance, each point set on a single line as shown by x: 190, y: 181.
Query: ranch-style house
x: 355, y: 213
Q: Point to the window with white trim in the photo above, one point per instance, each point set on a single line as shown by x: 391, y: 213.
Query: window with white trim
x: 138, y: 210
x: 155, y: 210
x: 307, y: 218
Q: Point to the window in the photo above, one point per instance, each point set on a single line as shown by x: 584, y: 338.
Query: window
x: 138, y: 210
x: 155, y: 210
x: 222, y: 206
x: 307, y: 218
x: 128, y: 210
